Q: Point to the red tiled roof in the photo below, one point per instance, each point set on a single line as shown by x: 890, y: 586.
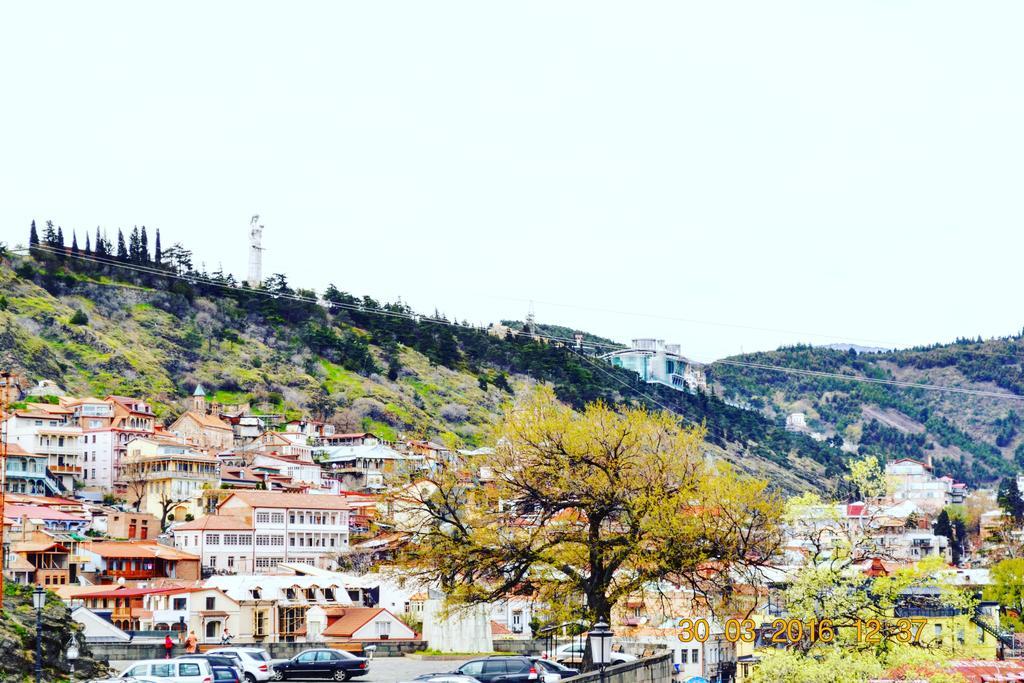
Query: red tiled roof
x: 351, y: 621
x: 499, y: 629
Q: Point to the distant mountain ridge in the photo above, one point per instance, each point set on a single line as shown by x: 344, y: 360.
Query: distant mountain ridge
x: 975, y: 439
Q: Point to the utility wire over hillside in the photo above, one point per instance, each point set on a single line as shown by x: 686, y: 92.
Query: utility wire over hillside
x: 571, y: 343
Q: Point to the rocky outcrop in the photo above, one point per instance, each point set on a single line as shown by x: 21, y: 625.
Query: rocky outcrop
x: 18, y: 639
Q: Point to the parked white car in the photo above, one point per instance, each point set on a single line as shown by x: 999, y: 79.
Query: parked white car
x: 256, y: 662
x: 182, y: 670
x: 572, y: 653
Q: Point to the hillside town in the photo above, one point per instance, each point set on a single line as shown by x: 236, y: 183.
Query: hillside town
x: 234, y: 525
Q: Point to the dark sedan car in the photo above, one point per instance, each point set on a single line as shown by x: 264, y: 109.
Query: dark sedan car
x: 333, y: 664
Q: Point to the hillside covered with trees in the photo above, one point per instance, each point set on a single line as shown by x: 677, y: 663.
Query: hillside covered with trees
x: 96, y: 318
x: 976, y: 439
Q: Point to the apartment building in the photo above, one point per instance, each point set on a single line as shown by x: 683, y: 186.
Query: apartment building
x: 48, y: 430
x: 107, y: 426
x: 257, y: 530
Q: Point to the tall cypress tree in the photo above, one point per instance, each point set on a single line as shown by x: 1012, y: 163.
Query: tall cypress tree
x: 33, y: 236
x: 100, y: 251
x: 88, y: 250
x: 74, y: 243
x: 50, y: 236
x: 122, y: 251
x: 157, y: 254
x: 60, y: 237
x: 143, y: 247
x: 133, y: 246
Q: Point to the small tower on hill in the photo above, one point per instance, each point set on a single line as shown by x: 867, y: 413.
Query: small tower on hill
x: 199, y: 400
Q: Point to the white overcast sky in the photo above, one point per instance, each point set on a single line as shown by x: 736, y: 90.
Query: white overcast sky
x: 725, y: 175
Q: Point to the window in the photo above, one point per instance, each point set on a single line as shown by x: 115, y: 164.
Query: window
x: 139, y: 670
x: 307, y: 658
x: 325, y: 656
x: 259, y: 623
x: 164, y: 670
x: 383, y: 629
x: 179, y: 604
x: 212, y: 539
x: 495, y: 666
x: 231, y: 561
x: 262, y: 539
x: 472, y: 668
x: 211, y: 602
x: 262, y: 518
x: 695, y: 657
x: 683, y: 658
x: 245, y: 539
x: 230, y: 539
x: 329, y: 594
x: 190, y: 668
x: 277, y: 518
x: 213, y: 561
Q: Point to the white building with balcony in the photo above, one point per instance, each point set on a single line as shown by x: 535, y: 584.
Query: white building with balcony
x: 660, y: 363
x: 47, y: 430
x: 254, y: 531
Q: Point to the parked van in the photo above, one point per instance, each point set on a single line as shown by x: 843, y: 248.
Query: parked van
x: 184, y: 670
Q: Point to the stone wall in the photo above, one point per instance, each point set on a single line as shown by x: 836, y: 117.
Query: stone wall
x: 656, y: 669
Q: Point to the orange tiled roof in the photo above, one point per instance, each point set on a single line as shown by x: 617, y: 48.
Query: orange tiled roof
x: 119, y: 549
x: 211, y: 421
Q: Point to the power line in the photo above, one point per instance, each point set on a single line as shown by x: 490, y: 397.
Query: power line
x: 195, y: 278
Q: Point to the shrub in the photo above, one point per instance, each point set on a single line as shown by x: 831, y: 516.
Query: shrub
x: 79, y: 318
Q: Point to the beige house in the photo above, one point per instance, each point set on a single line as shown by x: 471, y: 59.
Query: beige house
x: 159, y: 475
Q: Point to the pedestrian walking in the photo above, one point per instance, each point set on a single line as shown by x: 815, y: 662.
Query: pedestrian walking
x: 192, y: 643
x: 168, y: 645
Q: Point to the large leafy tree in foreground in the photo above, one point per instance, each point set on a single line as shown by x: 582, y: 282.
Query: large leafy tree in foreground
x: 581, y: 509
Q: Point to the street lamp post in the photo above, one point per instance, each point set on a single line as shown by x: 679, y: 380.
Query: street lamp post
x: 600, y: 637
x: 39, y: 601
x: 72, y: 654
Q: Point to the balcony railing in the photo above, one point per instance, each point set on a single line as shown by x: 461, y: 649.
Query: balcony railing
x: 65, y: 469
x: 132, y: 573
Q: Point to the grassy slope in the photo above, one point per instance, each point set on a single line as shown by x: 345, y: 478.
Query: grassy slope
x: 131, y: 346
x: 158, y: 344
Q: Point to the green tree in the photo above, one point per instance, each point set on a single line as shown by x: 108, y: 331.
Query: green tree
x: 1007, y: 587
x: 122, y: 250
x: 33, y: 236
x: 158, y: 257
x: 74, y: 243
x: 1009, y: 499
x: 143, y: 247
x: 79, y: 318
x: 585, y: 509
x: 50, y: 236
